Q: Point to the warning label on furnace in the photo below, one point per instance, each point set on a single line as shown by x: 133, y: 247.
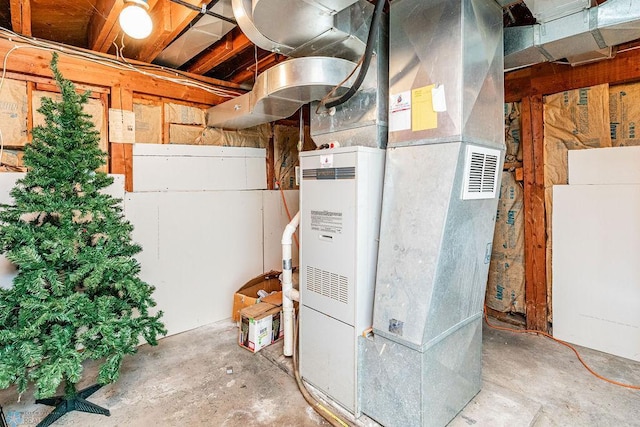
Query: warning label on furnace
x: 326, y: 221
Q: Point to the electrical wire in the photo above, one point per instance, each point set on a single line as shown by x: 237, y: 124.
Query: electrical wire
x: 255, y: 58
x: 322, y: 410
x: 366, y: 57
x: 300, y: 133
x: 119, y: 63
x: 564, y: 343
x: 286, y: 208
x: 325, y: 98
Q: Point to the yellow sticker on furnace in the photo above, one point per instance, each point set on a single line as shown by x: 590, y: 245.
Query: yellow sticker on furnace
x: 423, y: 116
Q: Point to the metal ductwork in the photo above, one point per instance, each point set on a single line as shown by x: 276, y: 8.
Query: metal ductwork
x: 583, y: 36
x: 281, y: 91
x: 422, y: 362
x: 200, y: 35
x: 330, y: 36
x: 336, y: 28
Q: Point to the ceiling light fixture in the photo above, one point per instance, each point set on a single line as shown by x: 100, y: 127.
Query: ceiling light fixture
x: 135, y: 20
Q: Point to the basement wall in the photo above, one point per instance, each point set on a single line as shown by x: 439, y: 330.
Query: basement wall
x: 198, y: 247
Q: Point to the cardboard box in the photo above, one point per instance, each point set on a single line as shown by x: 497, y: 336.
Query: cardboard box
x: 260, y: 326
x: 247, y: 295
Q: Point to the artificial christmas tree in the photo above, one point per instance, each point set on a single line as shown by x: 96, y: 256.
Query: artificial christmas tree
x: 77, y: 295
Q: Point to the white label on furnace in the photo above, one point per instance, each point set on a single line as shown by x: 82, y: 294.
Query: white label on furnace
x: 400, y: 111
x: 326, y: 161
x: 326, y: 221
x: 438, y: 99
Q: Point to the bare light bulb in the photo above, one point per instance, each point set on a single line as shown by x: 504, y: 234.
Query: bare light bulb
x: 134, y: 19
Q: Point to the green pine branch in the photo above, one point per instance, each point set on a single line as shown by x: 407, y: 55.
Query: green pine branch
x: 77, y: 294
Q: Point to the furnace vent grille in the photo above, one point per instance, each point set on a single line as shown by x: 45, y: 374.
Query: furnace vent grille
x: 330, y: 173
x: 330, y: 285
x: 481, y: 173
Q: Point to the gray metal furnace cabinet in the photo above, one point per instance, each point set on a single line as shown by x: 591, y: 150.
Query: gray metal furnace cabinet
x: 340, y: 200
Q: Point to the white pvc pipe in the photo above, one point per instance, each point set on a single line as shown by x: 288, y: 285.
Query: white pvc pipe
x: 288, y: 293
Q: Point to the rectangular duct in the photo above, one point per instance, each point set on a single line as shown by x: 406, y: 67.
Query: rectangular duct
x: 283, y: 89
x: 464, y: 71
x: 548, y: 10
x: 201, y: 34
x: 361, y: 121
x: 579, y: 37
x: 422, y: 364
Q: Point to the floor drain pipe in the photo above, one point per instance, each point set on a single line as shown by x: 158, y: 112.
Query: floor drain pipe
x: 288, y: 293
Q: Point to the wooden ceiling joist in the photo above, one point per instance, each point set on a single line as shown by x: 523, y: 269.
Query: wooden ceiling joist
x: 263, y: 64
x: 103, y: 25
x: 21, y: 16
x: 170, y: 19
x: 547, y: 78
x: 233, y: 44
x: 35, y: 62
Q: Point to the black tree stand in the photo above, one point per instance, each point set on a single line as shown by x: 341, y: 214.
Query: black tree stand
x: 72, y: 401
x: 3, y: 421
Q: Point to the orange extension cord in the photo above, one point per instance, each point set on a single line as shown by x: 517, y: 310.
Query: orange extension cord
x: 566, y: 344
x: 286, y: 208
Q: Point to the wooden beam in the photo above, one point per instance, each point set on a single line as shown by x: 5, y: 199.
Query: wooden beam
x: 534, y: 213
x: 548, y: 78
x: 169, y: 21
x: 511, y: 318
x: 21, y: 16
x: 263, y: 64
x: 529, y: 85
x: 51, y: 85
x: 121, y: 98
x: 26, y: 60
x: 121, y: 162
x: 30, y: 86
x: 121, y: 155
x: 103, y: 25
x: 233, y: 44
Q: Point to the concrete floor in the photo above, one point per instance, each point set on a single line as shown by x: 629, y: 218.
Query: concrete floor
x: 528, y: 381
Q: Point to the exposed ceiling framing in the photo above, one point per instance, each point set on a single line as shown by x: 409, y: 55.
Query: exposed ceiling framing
x: 93, y: 25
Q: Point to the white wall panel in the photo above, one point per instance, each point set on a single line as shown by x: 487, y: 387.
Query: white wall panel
x: 198, y: 249
x: 612, y: 165
x: 596, y: 272
x: 275, y: 220
x: 171, y: 167
x: 7, y: 182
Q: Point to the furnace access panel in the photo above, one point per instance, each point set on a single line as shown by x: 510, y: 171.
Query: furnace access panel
x: 340, y: 199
